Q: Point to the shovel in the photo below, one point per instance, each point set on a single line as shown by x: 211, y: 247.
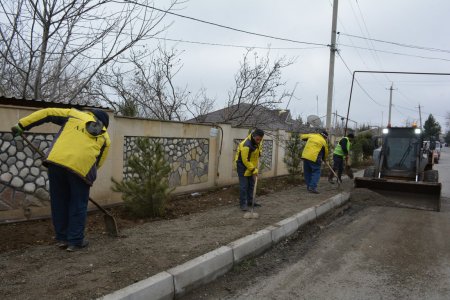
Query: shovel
x: 110, y: 221
x: 251, y: 214
x: 334, y: 173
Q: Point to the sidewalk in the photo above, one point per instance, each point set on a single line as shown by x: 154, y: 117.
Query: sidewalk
x: 111, y: 264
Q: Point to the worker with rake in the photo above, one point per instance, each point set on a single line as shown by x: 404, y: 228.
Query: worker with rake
x: 340, y: 153
x: 247, y: 159
x: 78, y: 150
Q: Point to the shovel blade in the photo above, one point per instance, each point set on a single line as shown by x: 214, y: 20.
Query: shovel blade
x: 111, y: 225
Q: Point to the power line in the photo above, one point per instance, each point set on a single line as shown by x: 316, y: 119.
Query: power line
x: 397, y: 53
x: 350, y: 71
x: 377, y: 58
x: 222, y: 26
x: 396, y: 43
x: 236, y: 46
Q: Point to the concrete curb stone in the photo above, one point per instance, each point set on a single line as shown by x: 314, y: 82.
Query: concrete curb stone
x: 250, y: 245
x: 202, y: 269
x: 159, y: 286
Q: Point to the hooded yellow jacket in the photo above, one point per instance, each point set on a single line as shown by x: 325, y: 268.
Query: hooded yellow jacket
x: 315, y: 142
x: 247, y: 157
x: 73, y: 146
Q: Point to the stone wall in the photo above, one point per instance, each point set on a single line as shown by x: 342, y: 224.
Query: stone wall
x: 23, y: 179
x: 188, y: 158
x: 266, y: 158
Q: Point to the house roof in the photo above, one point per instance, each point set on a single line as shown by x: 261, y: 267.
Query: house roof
x: 28, y: 102
x: 247, y: 115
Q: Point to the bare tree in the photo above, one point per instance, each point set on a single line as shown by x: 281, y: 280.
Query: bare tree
x: 149, y: 87
x: 200, y: 105
x: 52, y: 49
x: 257, y: 85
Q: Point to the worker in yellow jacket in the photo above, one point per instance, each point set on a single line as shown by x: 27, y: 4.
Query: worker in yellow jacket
x: 78, y: 150
x: 315, y: 150
x: 247, y: 159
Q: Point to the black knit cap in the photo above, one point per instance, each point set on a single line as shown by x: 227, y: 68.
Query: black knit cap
x: 102, y: 116
x: 258, y: 132
x: 351, y: 136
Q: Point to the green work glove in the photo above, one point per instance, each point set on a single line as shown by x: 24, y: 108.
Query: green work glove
x: 17, y: 130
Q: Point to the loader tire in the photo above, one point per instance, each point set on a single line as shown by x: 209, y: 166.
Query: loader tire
x: 431, y: 176
x: 369, y: 172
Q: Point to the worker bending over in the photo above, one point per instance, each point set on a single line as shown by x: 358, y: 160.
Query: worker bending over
x: 315, y: 150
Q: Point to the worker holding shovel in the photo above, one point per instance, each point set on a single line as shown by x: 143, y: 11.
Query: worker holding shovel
x: 247, y: 158
x: 340, y: 153
x: 78, y: 150
x: 315, y: 151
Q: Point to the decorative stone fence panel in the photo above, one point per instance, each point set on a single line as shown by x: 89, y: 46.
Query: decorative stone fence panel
x: 23, y: 179
x: 266, y: 158
x: 187, y: 157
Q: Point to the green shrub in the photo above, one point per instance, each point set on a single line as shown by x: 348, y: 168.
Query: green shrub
x: 362, y: 148
x: 294, y: 148
x: 146, y: 192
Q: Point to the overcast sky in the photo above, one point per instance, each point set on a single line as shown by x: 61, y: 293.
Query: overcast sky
x: 413, y: 22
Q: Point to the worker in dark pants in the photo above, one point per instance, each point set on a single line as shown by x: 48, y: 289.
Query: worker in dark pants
x: 314, y: 152
x: 247, y: 158
x: 341, y: 153
x: 78, y: 150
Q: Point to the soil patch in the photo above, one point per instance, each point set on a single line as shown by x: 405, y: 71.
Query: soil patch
x: 39, y: 270
x: 40, y: 232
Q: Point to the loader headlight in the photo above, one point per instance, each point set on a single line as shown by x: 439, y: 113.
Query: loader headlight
x: 385, y: 130
x: 417, y: 131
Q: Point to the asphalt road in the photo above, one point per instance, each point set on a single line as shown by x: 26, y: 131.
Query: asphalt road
x: 373, y: 253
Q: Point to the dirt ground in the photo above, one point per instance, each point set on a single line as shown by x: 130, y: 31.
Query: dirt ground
x: 33, y: 268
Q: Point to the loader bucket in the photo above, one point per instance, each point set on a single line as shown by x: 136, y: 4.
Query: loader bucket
x: 418, y: 195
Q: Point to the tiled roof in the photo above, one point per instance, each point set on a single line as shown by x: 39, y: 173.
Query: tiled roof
x: 247, y: 115
x: 6, y: 100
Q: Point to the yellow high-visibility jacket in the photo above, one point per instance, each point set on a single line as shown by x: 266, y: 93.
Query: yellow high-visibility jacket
x: 247, y: 157
x: 73, y: 147
x: 314, y: 145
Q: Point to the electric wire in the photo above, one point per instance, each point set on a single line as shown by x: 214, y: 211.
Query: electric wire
x: 357, y: 82
x: 222, y: 26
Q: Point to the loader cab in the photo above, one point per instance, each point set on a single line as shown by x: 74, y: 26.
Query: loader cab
x: 401, y: 151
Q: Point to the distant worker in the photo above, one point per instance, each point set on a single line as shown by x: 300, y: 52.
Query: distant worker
x: 78, y: 150
x: 341, y: 152
x: 316, y: 150
x: 247, y: 159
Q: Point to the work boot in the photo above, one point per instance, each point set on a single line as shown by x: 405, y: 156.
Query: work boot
x: 73, y: 248
x: 61, y: 245
x: 313, y: 191
x: 244, y: 208
x: 256, y: 204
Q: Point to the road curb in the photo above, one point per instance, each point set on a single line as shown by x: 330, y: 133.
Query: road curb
x: 207, y: 267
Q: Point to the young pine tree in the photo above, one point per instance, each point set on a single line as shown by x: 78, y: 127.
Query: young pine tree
x: 145, y: 194
x: 294, y: 148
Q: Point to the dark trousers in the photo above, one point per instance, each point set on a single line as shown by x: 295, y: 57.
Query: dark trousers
x: 69, y: 198
x: 311, y: 171
x: 338, y: 166
x: 246, y: 186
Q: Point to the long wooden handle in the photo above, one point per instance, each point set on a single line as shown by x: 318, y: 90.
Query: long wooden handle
x: 41, y: 153
x: 331, y: 169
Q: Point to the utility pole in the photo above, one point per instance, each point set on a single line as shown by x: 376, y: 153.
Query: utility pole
x: 420, y: 116
x: 317, y: 100
x: 331, y: 69
x: 390, y: 104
